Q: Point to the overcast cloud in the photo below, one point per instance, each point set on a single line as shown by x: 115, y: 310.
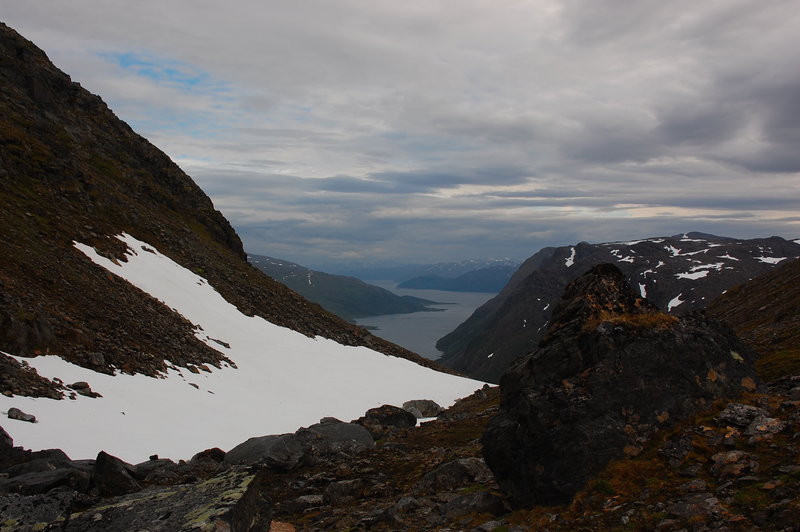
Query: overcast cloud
x: 425, y: 131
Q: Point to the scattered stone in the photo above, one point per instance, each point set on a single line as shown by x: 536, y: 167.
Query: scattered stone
x: 764, y: 425
x: 694, y: 485
x: 16, y: 413
x: 489, y: 526
x: 304, y: 502
x: 740, y: 415
x: 479, y: 502
x: 733, y: 464
x: 454, y: 475
x: 407, y: 505
x: 702, y: 504
x: 425, y: 408
x: 346, y: 490
x: 84, y: 389
x: 741, y: 482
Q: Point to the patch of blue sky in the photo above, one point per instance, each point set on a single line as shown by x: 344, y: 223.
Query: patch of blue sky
x: 221, y: 98
x: 164, y: 71
x: 197, y: 124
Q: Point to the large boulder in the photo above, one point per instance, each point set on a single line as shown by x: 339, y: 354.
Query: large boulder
x: 385, y: 420
x: 423, y: 407
x: 331, y: 436
x: 280, y: 451
x: 112, y: 476
x: 233, y: 500
x: 609, y: 372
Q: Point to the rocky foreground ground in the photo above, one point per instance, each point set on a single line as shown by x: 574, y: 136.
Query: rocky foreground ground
x: 736, y: 466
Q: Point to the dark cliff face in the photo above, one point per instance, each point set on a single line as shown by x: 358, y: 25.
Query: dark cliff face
x: 680, y: 274
x: 70, y: 170
x: 611, y: 370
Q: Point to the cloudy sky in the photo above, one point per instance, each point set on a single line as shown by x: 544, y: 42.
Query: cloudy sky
x: 426, y: 131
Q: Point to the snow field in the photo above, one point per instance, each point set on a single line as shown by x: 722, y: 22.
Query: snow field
x: 284, y: 380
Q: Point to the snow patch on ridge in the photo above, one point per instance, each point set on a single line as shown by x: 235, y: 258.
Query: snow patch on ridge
x: 284, y: 380
x: 571, y: 259
x: 770, y: 260
x: 674, y: 302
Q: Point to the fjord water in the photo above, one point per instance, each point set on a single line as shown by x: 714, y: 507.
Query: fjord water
x: 419, y: 331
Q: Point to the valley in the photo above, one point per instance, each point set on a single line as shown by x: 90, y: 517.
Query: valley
x: 419, y: 331
x: 155, y: 376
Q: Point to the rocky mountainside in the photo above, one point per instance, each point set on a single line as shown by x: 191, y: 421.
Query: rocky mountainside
x: 764, y: 313
x: 678, y: 274
x: 70, y: 170
x: 491, y: 279
x: 732, y: 466
x: 610, y: 372
x: 347, y: 297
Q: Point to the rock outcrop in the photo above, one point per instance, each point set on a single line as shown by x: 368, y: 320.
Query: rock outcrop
x: 611, y: 370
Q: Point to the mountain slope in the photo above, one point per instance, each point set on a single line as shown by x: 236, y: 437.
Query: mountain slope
x: 72, y: 172
x: 274, y: 380
x: 679, y: 274
x: 346, y: 297
x: 765, y: 312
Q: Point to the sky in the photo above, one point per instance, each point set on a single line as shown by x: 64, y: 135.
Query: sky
x: 436, y: 131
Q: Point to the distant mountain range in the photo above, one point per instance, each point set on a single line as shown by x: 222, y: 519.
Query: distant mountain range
x: 474, y: 275
x: 678, y: 273
x: 347, y: 297
x: 404, y: 272
x: 491, y: 279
